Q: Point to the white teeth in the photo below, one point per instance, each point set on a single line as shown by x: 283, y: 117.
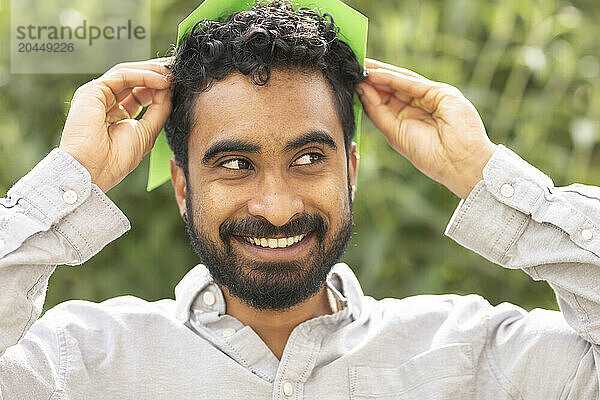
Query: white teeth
x: 275, y: 243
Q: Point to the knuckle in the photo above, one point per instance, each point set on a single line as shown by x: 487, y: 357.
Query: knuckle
x: 82, y: 90
x: 97, y: 85
x: 450, y: 90
x: 117, y: 74
x: 444, y: 93
x: 112, y: 75
x: 78, y: 92
x: 117, y: 67
x: 101, y: 91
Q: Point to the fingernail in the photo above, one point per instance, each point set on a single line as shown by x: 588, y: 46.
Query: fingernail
x: 359, y: 90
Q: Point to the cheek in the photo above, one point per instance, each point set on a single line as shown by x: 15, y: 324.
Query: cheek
x: 329, y: 196
x: 214, y: 204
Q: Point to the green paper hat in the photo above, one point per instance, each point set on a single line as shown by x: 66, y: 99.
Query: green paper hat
x: 352, y: 30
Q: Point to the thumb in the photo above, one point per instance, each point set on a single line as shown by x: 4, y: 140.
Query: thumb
x: 154, y: 118
x: 377, y: 111
x: 401, y: 125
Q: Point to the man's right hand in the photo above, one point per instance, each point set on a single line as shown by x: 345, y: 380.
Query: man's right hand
x: 101, y: 132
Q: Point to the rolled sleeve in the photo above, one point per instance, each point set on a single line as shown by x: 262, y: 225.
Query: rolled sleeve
x: 58, y: 193
x: 495, y: 213
x: 53, y: 215
x: 512, y: 195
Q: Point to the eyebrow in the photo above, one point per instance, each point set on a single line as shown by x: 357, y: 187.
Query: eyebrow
x: 229, y: 145
x: 321, y: 137
x: 244, y: 146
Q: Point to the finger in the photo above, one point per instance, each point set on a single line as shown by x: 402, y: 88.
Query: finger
x: 412, y: 112
x: 155, y: 64
x: 402, y: 109
x: 143, y: 95
x: 125, y: 78
x: 123, y: 94
x: 381, y: 115
x: 126, y: 92
x: 137, y: 99
x: 374, y: 64
x: 426, y: 94
x: 396, y: 106
x: 155, y: 117
x: 117, y: 114
x: 381, y: 88
x: 406, y: 85
x: 388, y: 91
x: 384, y: 95
x: 398, y: 129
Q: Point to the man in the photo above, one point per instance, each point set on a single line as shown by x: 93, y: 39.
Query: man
x: 258, y: 113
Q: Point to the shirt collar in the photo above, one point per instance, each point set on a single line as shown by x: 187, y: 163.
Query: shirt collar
x: 198, y: 282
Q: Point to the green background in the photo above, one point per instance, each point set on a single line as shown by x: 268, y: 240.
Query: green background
x: 531, y: 68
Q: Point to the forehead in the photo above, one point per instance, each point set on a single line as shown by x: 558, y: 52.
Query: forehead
x: 291, y: 103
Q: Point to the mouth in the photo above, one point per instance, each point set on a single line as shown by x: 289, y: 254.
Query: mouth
x: 276, y: 248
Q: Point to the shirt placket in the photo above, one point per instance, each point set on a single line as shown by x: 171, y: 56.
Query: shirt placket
x: 297, y: 362
x: 229, y: 335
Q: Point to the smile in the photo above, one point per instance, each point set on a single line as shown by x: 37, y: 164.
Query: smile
x: 275, y: 243
x: 277, y: 249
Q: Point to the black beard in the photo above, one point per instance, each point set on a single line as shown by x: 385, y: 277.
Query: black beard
x: 270, y: 285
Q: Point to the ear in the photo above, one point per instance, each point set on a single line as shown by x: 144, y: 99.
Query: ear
x: 353, y: 158
x: 179, y: 185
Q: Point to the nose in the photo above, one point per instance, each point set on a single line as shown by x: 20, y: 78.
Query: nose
x: 276, y: 201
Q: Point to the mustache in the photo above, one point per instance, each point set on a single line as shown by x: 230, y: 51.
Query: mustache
x: 261, y: 227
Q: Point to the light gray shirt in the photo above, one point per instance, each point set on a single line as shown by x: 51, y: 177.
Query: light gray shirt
x: 421, y: 347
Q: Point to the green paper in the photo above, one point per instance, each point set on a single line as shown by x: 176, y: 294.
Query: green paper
x: 353, y: 30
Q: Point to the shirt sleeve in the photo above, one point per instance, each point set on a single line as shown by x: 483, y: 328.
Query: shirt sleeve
x: 517, y: 218
x: 53, y: 215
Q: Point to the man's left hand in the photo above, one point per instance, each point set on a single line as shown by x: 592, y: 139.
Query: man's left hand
x: 430, y: 123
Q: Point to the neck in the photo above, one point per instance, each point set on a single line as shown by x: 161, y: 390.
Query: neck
x: 275, y: 327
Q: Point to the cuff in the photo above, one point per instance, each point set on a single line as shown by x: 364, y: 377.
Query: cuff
x: 93, y: 225
x: 56, y: 186
x: 58, y: 194
x: 496, y: 212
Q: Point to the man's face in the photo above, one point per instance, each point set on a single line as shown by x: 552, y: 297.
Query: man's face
x: 268, y: 200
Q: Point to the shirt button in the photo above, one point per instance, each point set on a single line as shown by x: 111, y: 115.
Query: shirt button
x: 288, y: 389
x: 2, y: 243
x: 587, y: 234
x: 228, y: 332
x: 209, y: 298
x: 70, y: 197
x: 507, y: 190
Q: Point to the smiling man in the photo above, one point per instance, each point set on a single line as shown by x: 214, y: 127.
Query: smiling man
x: 270, y: 192
x: 258, y: 112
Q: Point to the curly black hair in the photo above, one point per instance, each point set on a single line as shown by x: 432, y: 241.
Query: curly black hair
x: 268, y: 35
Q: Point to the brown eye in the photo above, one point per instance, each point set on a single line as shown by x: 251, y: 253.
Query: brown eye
x: 308, y: 158
x: 236, y: 163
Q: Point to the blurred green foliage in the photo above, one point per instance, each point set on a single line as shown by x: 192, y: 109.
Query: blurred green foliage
x: 531, y: 68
